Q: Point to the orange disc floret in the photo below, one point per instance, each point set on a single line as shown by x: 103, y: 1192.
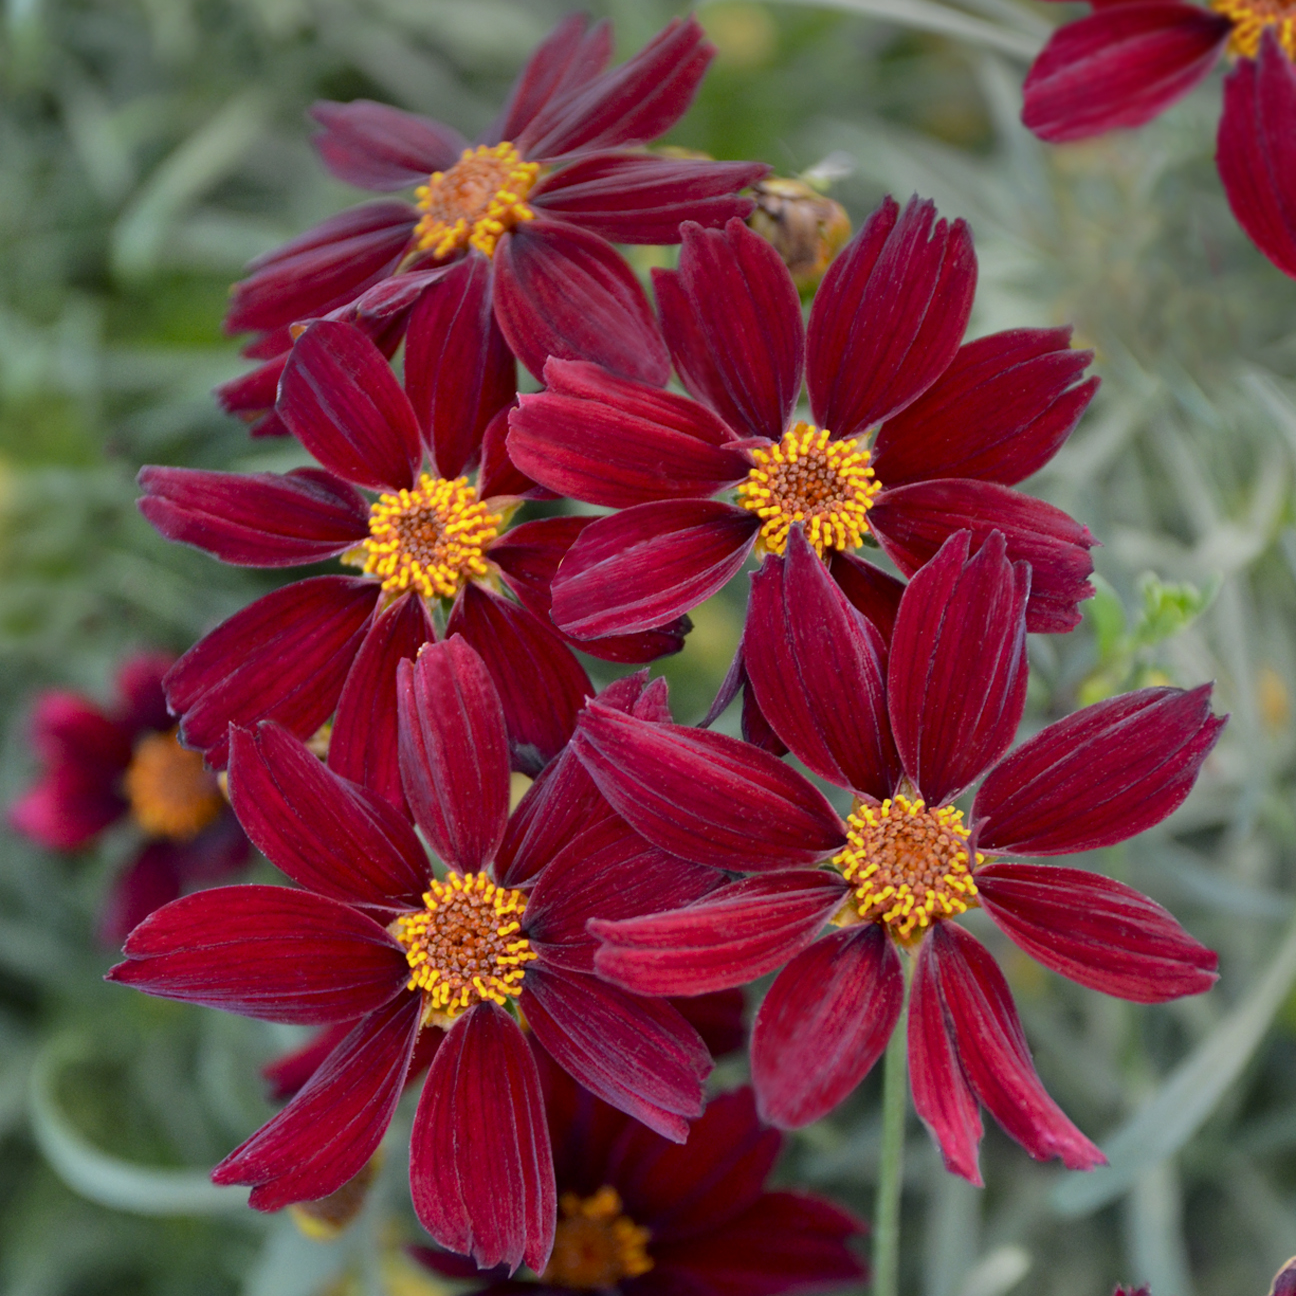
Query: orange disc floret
x: 171, y: 792
x: 596, y: 1244
x: 476, y: 201
x: 1251, y: 17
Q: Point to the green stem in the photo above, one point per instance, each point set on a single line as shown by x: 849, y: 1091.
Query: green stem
x: 886, y: 1210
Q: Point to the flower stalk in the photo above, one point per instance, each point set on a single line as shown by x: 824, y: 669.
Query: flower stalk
x: 886, y: 1208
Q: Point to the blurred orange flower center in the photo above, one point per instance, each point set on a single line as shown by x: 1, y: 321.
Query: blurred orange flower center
x: 595, y: 1244
x: 909, y: 864
x: 808, y: 477
x: 476, y: 202
x: 1251, y: 17
x: 466, y: 946
x: 171, y: 793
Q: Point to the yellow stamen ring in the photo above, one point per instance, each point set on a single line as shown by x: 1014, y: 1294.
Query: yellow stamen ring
x: 595, y: 1244
x: 1251, y: 17
x: 171, y: 792
x: 476, y: 202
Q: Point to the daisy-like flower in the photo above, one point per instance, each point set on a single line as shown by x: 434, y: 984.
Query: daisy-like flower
x: 952, y: 428
x: 102, y: 765
x: 906, y: 731
x: 329, y: 645
x: 642, y: 1217
x: 508, y: 244
x: 374, y: 935
x: 1129, y: 60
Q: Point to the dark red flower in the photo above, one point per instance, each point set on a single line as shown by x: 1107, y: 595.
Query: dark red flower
x: 907, y: 731
x: 509, y: 245
x: 1131, y: 59
x: 644, y: 1217
x: 375, y: 938
x: 102, y: 765
x: 957, y: 426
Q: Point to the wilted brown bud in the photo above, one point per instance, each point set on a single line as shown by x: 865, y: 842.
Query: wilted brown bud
x: 327, y: 1217
x: 806, y: 228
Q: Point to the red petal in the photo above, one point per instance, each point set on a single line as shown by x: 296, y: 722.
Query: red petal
x: 255, y: 519
x: 726, y: 939
x: 1120, y: 67
x: 327, y: 1134
x: 705, y: 796
x: 999, y: 413
x: 718, y: 1017
x: 539, y: 680
x: 638, y: 1054
x: 265, y: 951
x: 732, y: 320
x: 1096, y: 931
x: 499, y: 475
x: 889, y: 316
x: 454, y: 753
x: 912, y: 522
x: 374, y: 146
x: 322, y: 830
x: 284, y: 657
x: 869, y: 589
x: 287, y: 1074
x: 340, y: 399
x: 818, y: 670
x: 993, y: 1053
x: 634, y: 198
x: 650, y: 564
x: 1099, y: 776
x: 1255, y: 151
x: 609, y: 440
x: 563, y: 292
x: 458, y: 368
x: 254, y: 392
x: 481, y: 1168
x: 957, y: 673
x: 151, y: 880
x: 139, y: 686
x: 824, y: 1023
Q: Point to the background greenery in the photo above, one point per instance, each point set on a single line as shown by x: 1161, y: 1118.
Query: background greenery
x: 150, y: 147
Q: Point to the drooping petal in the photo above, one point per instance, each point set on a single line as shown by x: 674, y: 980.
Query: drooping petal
x: 1101, y: 775
x: 454, y: 755
x: 957, y: 672
x: 607, y: 440
x: 268, y: 952
x: 726, y: 939
x: 889, y: 316
x: 324, y: 831
x: 1096, y: 931
x: 327, y: 1134
x: 818, y: 670
x: 824, y: 1023
x: 563, y: 292
x: 151, y: 880
x: 993, y: 1053
x: 284, y: 657
x: 638, y: 1054
x: 1255, y: 151
x: 639, y: 198
x: 732, y: 320
x: 255, y: 519
x: 912, y: 522
x: 705, y: 796
x: 459, y: 371
x: 481, y: 1168
x: 870, y: 590
x: 999, y: 413
x: 646, y: 566
x: 375, y: 146
x: 250, y: 395
x: 341, y: 400
x: 1120, y: 67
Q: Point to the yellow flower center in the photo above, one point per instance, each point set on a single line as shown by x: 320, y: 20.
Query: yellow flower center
x: 171, y: 793
x: 809, y: 478
x: 475, y: 202
x: 909, y: 865
x: 595, y: 1245
x: 1251, y: 17
x: 431, y: 539
x: 465, y: 946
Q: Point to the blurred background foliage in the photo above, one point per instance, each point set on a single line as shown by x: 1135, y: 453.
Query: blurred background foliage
x: 150, y: 147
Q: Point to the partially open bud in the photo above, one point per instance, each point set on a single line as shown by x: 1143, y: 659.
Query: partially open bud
x: 806, y: 228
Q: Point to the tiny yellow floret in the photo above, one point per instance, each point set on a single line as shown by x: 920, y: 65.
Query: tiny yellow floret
x: 476, y: 202
x: 808, y: 477
x: 172, y: 794
x: 596, y: 1245
x: 1251, y: 17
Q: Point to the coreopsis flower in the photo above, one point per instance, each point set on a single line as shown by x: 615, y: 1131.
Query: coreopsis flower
x: 374, y: 935
x: 508, y: 243
x: 329, y: 645
x: 1129, y: 60
x: 639, y: 1216
x: 906, y: 731
x: 105, y: 764
x: 955, y: 428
